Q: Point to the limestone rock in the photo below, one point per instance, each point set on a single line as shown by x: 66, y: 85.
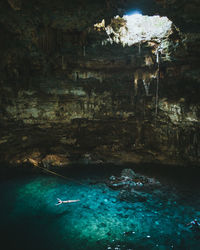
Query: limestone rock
x: 128, y: 173
x: 66, y: 93
x: 15, y: 4
x: 55, y: 160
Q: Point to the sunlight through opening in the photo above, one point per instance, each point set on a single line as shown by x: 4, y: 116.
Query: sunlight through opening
x: 135, y: 28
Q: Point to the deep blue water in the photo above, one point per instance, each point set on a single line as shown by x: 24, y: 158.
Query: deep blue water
x: 30, y: 219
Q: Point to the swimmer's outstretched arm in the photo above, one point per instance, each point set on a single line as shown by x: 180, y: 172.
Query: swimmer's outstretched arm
x: 68, y: 201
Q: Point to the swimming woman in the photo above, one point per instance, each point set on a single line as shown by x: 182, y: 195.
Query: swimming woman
x: 68, y: 201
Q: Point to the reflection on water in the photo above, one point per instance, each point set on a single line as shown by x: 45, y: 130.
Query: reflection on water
x: 30, y: 219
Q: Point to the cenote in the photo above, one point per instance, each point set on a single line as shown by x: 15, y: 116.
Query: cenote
x: 102, y: 219
x: 100, y: 124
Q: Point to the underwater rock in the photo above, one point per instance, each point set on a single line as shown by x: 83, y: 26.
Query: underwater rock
x: 128, y: 233
x: 112, y: 178
x: 127, y: 172
x: 102, y: 225
x: 129, y: 179
x: 133, y: 188
x: 86, y: 206
x: 133, y: 196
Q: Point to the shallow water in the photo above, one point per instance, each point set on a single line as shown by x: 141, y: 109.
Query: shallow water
x: 30, y: 219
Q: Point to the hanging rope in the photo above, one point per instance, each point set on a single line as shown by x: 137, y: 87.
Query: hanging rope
x: 139, y: 49
x: 158, y: 80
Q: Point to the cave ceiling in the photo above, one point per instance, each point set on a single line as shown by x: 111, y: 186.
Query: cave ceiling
x: 80, y: 15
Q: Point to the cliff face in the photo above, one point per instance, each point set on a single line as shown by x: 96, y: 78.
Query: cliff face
x: 67, y: 96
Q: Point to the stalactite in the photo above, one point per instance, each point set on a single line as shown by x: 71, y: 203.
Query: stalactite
x: 139, y: 49
x: 84, y: 53
x: 51, y: 39
x: 75, y: 76
x: 83, y: 42
x: 144, y: 107
x: 47, y: 38
x: 148, y: 61
x: 63, y: 63
x: 57, y: 38
x: 136, y: 84
x: 62, y: 40
x: 43, y: 40
x: 195, y: 140
x: 146, y: 87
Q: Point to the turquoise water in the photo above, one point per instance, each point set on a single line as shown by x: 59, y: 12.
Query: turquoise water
x: 30, y: 219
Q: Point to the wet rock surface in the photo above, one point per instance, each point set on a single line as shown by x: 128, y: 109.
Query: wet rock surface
x: 64, y: 95
x: 133, y: 187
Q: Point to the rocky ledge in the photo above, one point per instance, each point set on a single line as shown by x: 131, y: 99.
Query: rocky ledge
x: 67, y: 96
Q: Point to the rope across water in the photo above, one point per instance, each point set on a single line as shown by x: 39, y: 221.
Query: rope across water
x: 80, y: 183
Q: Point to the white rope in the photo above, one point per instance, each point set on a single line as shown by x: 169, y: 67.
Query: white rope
x: 157, y: 83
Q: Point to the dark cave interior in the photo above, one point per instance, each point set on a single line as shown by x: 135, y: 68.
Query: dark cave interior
x: 87, y: 89
x: 73, y: 92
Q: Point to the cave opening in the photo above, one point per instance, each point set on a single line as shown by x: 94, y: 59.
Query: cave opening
x: 133, y: 12
x: 135, y: 28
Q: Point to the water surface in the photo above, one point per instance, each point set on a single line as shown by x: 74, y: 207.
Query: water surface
x: 30, y: 219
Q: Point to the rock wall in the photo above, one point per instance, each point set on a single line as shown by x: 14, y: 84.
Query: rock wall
x: 66, y: 98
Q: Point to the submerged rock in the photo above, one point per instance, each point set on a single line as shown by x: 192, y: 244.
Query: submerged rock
x: 130, y: 179
x: 127, y: 172
x: 133, y: 196
x: 133, y: 187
